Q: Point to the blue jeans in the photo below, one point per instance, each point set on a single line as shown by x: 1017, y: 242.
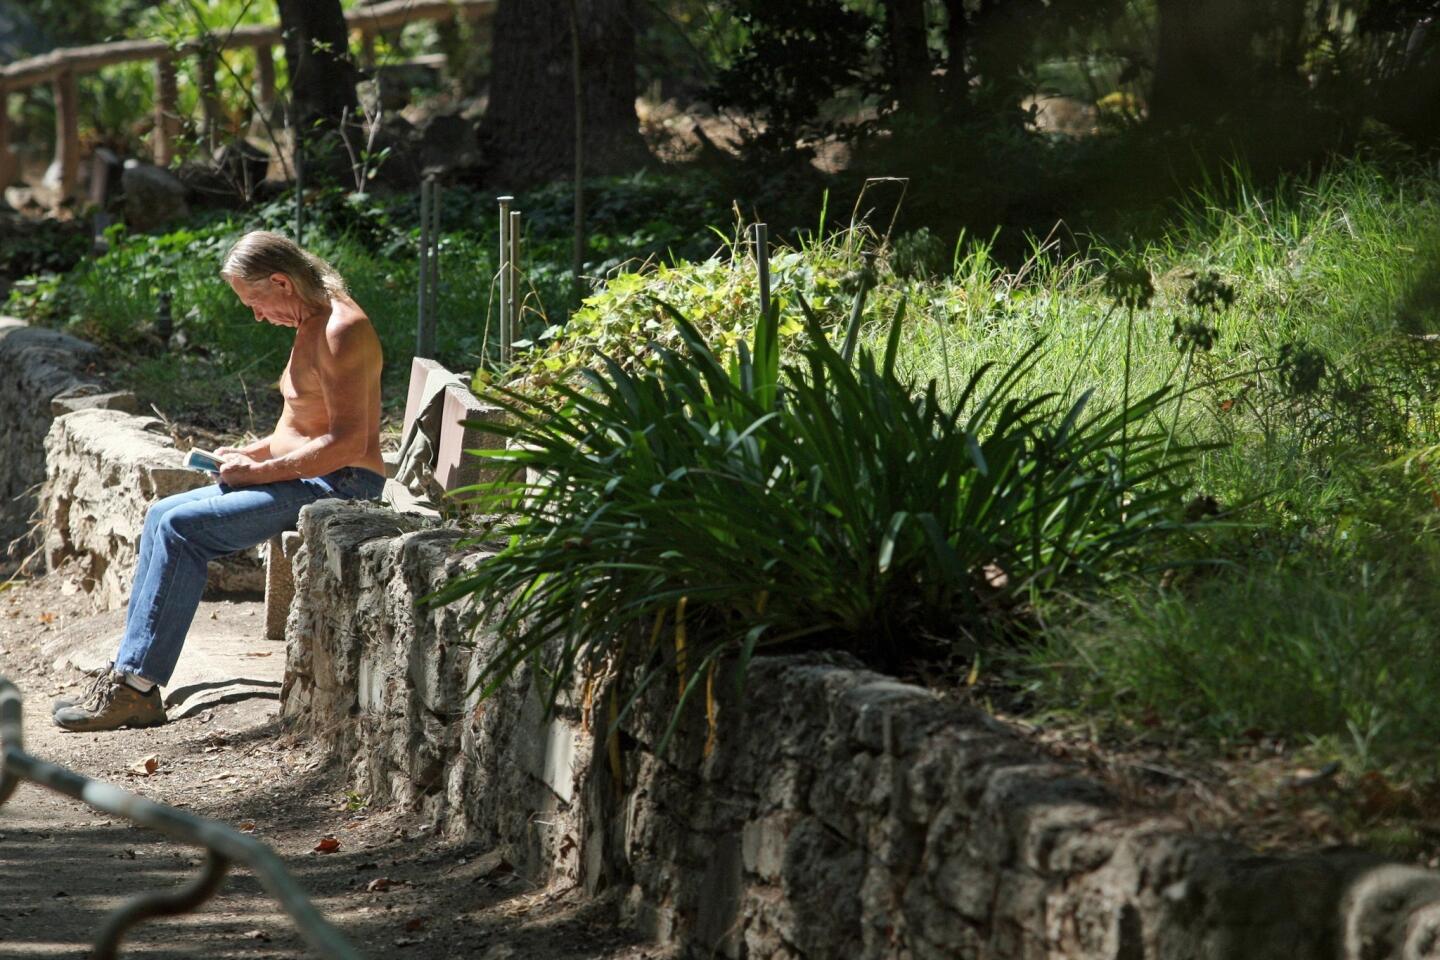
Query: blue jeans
x: 185, y: 532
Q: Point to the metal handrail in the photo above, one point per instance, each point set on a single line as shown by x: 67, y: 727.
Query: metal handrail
x: 223, y: 844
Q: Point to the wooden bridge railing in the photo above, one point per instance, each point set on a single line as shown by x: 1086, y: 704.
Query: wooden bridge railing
x: 61, y: 68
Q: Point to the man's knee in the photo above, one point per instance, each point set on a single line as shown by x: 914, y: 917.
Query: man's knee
x: 162, y: 524
x: 158, y: 510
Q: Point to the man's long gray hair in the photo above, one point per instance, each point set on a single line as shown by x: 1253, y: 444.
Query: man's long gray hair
x: 261, y: 253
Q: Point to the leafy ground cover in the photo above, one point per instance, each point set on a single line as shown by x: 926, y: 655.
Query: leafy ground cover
x: 218, y: 355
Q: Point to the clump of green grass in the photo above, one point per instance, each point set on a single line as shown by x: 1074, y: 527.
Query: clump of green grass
x: 1316, y: 623
x: 1339, y: 650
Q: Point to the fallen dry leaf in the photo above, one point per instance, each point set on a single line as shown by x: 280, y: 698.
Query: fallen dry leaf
x: 415, y: 923
x: 47, y: 617
x: 378, y: 885
x: 327, y: 845
x: 246, y: 826
x: 145, y: 767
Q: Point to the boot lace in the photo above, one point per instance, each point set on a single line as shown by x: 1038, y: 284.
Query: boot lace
x: 101, y: 689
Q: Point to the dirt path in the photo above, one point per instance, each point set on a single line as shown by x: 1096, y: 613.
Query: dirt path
x: 390, y: 887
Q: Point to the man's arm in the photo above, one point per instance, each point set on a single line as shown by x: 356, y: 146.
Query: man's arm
x: 345, y: 366
x: 255, y: 450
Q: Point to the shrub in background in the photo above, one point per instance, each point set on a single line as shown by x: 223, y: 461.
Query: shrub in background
x: 722, y: 507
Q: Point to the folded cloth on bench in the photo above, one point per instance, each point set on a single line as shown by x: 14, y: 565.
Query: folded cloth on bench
x: 415, y: 465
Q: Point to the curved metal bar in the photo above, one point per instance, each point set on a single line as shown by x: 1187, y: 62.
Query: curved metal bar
x: 161, y: 903
x: 229, y: 844
x: 12, y: 736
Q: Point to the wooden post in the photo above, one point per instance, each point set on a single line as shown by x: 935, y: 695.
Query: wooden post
x: 209, y: 98
x: 167, y: 116
x: 67, y: 133
x: 7, y: 156
x: 367, y: 49
x: 265, y: 79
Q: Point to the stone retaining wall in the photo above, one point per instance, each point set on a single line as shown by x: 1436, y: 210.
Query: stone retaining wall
x: 104, y: 468
x: 841, y: 814
x: 36, y: 366
x: 74, y: 455
x: 388, y: 683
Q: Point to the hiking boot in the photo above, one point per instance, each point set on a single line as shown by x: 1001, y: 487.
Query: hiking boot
x: 113, y: 704
x: 97, y: 675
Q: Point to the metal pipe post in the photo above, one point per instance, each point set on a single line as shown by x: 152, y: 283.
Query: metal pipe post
x: 422, y: 272
x: 503, y: 314
x: 8, y: 163
x: 762, y: 263
x: 299, y: 178
x: 431, y: 314
x: 513, y: 318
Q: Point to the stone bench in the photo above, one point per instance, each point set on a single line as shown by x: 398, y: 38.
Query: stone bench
x: 443, y: 419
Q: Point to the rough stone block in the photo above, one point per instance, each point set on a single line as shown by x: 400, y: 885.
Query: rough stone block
x: 454, y: 467
x: 70, y: 401
x: 762, y: 844
x: 279, y: 582
x: 547, y: 752
x: 859, y: 817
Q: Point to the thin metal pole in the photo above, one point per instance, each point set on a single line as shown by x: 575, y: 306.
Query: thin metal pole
x: 422, y: 274
x: 432, y: 296
x: 762, y: 262
x: 164, y: 903
x: 577, y: 249
x: 299, y: 180
x: 503, y: 321
x: 514, y: 318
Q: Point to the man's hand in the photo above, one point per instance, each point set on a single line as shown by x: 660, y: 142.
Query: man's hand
x: 237, y: 469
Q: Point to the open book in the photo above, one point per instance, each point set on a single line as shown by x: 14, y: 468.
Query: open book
x: 198, y: 459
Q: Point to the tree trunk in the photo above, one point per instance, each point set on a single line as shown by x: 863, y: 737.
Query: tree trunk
x: 317, y: 49
x: 909, y: 52
x: 530, y: 124
x: 1000, y: 37
x: 1204, y: 66
x: 1289, y: 21
x: 957, y: 40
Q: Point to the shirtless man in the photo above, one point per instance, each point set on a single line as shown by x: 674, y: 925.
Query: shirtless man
x: 327, y: 444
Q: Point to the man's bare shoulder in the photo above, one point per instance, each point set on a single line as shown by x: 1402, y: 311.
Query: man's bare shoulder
x: 348, y: 327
